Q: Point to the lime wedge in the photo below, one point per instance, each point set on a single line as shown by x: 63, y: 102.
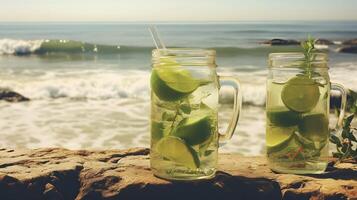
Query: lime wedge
x: 176, y: 150
x: 172, y: 84
x: 194, y: 130
x: 291, y: 150
x: 314, y: 127
x: 300, y: 94
x: 281, y: 116
x: 277, y: 138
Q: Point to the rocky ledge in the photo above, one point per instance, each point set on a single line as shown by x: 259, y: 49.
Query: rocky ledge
x: 348, y: 49
x: 11, y: 96
x: 55, y: 173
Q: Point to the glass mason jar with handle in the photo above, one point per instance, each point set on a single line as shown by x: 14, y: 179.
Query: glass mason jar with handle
x: 184, y: 112
x: 297, y: 111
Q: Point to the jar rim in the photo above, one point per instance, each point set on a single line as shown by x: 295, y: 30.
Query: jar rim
x: 184, y: 57
x: 295, y: 59
x: 184, y: 52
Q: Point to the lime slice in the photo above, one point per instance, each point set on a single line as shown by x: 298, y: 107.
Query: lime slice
x: 291, y: 150
x: 281, y: 116
x: 172, y: 84
x: 194, y: 130
x: 176, y: 150
x: 314, y: 127
x: 277, y: 138
x: 300, y: 94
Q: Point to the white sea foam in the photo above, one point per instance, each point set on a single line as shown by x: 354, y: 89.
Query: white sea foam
x: 81, y: 84
x: 345, y: 73
x: 11, y: 46
x: 114, y: 123
x: 111, y: 84
x: 253, y: 85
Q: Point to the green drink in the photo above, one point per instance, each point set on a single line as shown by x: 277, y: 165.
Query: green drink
x: 184, y: 135
x: 297, y: 125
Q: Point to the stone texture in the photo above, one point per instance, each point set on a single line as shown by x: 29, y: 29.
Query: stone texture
x: 281, y: 42
x: 322, y: 41
x: 348, y: 49
x: 11, y: 96
x: 56, y: 173
x: 350, y: 42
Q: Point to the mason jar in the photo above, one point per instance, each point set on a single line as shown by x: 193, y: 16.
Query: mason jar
x: 297, y: 113
x: 184, y: 111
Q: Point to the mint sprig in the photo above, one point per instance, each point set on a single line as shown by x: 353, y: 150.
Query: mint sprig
x: 309, y: 51
x: 346, y: 144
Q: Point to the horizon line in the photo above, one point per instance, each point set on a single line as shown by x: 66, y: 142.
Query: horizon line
x: 181, y: 21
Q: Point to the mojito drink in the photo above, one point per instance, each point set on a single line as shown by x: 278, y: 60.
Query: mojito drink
x: 297, y: 122
x: 184, y: 139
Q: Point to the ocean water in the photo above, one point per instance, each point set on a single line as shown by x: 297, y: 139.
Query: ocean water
x: 98, y: 97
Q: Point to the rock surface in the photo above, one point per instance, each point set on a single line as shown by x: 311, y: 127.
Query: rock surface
x: 350, y: 42
x: 322, y: 41
x: 11, y: 96
x: 279, y: 42
x: 62, y: 174
x: 348, y: 49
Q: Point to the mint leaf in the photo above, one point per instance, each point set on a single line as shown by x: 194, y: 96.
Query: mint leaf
x: 335, y: 140
x: 185, y: 108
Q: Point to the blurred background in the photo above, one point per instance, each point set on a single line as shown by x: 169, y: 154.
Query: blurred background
x: 85, y: 65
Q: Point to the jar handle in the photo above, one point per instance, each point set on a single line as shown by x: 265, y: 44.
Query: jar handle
x: 342, y: 90
x: 237, y: 105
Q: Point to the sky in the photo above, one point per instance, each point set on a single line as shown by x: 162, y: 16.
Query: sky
x: 176, y: 10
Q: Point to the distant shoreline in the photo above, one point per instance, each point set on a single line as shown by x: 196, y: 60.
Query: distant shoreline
x: 179, y: 22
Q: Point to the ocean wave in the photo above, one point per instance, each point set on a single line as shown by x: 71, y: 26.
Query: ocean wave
x: 252, y: 95
x: 344, y: 73
x: 254, y: 51
x: 86, y: 84
x: 40, y: 47
x: 70, y: 46
x: 25, y: 47
x: 105, y: 84
x: 17, y: 47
